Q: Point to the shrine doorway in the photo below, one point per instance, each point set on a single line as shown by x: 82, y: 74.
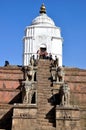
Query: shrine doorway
x: 43, y: 51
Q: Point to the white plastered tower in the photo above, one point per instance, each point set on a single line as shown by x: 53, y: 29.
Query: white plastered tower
x: 42, y: 33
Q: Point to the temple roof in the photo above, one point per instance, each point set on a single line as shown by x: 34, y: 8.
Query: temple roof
x: 43, y: 18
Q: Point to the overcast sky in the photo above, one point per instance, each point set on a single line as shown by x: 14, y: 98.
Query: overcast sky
x: 69, y: 15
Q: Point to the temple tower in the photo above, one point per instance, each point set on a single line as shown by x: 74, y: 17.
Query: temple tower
x: 42, y: 35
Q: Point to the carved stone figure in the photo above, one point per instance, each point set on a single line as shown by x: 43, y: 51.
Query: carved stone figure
x: 25, y: 92
x: 65, y: 95
x: 29, y: 74
x: 59, y: 74
x: 32, y: 60
x: 56, y: 61
x: 28, y: 92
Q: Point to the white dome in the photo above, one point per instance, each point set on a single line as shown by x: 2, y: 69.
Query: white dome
x: 43, y: 19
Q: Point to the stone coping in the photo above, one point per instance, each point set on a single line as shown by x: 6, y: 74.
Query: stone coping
x: 67, y: 107
x: 10, y: 89
x: 70, y: 119
x: 31, y: 106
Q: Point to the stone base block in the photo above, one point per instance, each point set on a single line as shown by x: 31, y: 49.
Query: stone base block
x: 24, y: 117
x: 67, y: 118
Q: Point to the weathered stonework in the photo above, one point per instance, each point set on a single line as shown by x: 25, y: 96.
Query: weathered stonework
x: 67, y: 118
x: 11, y: 92
x: 24, y: 117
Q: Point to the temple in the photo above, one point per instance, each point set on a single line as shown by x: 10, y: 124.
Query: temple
x: 42, y: 94
x: 42, y: 35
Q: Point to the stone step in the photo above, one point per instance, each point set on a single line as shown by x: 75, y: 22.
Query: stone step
x: 43, y: 77
x: 45, y: 121
x: 45, y: 90
x: 43, y: 67
x: 43, y: 103
x: 42, y: 100
x: 47, y: 107
x: 45, y: 128
x: 41, y: 88
x: 42, y: 111
x: 42, y: 80
x: 47, y: 124
x: 44, y: 83
x: 44, y: 71
x: 42, y: 117
x: 45, y: 87
x: 44, y: 93
x: 47, y: 95
x: 43, y: 63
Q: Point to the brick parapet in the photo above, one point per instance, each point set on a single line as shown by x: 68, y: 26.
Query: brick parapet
x: 10, y: 83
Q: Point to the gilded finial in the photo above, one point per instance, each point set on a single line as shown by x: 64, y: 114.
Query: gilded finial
x: 43, y: 9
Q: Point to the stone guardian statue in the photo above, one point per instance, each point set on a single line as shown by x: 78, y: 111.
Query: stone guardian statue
x: 65, y: 95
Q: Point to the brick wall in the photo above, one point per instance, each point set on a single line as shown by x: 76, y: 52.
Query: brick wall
x: 10, y: 82
x: 10, y: 88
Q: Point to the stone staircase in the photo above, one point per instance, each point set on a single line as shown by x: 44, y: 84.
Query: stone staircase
x: 46, y: 112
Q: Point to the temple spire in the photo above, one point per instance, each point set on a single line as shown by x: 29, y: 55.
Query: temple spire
x: 43, y: 9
